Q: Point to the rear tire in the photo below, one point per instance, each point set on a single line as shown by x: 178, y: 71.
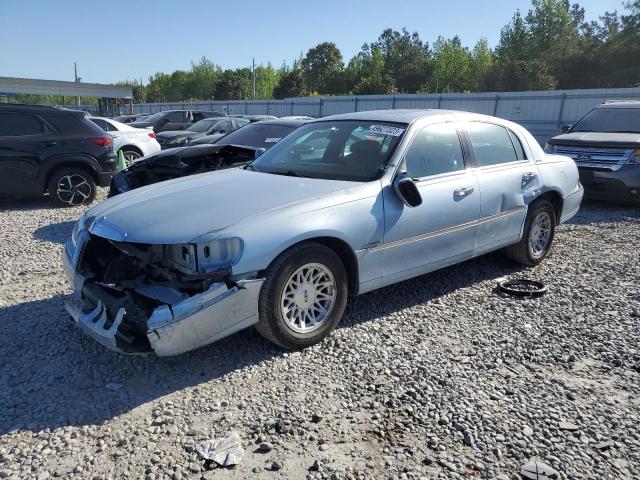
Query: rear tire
x: 130, y: 156
x: 303, y: 297
x: 71, y: 187
x: 539, y: 230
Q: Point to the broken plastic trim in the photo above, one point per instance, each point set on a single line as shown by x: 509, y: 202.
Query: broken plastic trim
x: 523, y: 288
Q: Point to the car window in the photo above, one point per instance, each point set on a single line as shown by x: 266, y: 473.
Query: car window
x: 101, y: 123
x: 435, y: 149
x: 176, y: 117
x: 197, y: 116
x: 610, y: 120
x: 334, y: 150
x: 491, y: 144
x: 257, y: 135
x: 224, y: 125
x: 19, y: 124
x: 518, y: 146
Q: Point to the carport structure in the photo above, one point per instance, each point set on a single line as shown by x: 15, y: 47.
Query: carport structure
x: 110, y: 96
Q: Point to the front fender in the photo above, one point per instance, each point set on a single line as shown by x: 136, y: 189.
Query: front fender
x: 356, y: 223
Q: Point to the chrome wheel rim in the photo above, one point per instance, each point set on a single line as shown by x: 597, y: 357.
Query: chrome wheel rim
x: 308, y: 298
x: 540, y: 234
x: 73, y: 189
x: 130, y: 157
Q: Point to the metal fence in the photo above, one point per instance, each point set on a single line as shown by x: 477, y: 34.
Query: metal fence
x: 542, y: 113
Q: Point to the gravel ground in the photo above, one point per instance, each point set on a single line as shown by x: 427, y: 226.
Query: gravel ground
x: 438, y: 377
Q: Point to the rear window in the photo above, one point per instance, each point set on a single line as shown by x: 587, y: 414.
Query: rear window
x: 492, y: 144
x: 258, y: 135
x: 610, y: 120
x: 19, y: 124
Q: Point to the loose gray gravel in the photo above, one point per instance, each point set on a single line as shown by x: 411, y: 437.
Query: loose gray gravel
x: 438, y: 377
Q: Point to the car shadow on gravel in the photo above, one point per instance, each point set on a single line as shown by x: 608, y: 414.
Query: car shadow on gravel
x: 55, y: 232
x: 52, y: 375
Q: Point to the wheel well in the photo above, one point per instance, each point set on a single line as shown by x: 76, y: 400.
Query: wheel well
x: 60, y: 166
x: 346, y: 255
x: 132, y: 148
x: 556, y: 200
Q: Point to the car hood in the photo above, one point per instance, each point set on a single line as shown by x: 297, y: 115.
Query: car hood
x: 181, y: 210
x: 169, y: 134
x: 604, y: 139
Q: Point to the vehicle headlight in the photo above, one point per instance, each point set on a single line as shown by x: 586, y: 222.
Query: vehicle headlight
x: 206, y: 256
x: 180, y: 141
x: 548, y: 148
x: 635, y: 157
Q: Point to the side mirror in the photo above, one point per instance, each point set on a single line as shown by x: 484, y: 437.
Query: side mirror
x: 407, y: 190
x: 565, y: 128
x: 258, y: 152
x: 222, y: 131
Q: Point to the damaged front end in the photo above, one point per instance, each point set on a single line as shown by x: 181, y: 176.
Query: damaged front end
x: 137, y: 298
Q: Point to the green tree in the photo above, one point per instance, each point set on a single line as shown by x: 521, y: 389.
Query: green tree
x: 406, y: 59
x: 291, y: 84
x: 267, y: 79
x: 451, y: 67
x: 234, y: 85
x: 366, y: 73
x: 323, y: 68
x: 202, y: 80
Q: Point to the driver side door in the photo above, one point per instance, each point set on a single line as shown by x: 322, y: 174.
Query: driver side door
x: 441, y: 230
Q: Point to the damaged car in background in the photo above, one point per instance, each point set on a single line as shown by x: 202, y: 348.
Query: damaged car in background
x: 233, y: 150
x: 342, y: 206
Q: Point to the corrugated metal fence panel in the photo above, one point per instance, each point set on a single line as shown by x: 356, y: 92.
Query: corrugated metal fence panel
x: 541, y: 112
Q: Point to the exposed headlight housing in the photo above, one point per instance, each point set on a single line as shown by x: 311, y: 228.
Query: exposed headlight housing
x: 635, y: 157
x: 207, y: 256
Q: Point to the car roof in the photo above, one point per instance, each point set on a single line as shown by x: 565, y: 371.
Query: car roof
x: 620, y: 104
x: 409, y: 116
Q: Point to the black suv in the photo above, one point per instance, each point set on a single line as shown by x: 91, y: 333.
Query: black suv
x: 174, y: 119
x: 55, y: 151
x: 605, y: 145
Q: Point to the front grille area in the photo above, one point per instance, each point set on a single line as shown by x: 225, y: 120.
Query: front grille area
x: 596, y: 157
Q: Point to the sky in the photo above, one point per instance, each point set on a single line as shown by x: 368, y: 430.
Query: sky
x: 133, y: 39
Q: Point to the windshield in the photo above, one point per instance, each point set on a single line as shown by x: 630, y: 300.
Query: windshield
x: 202, y: 125
x: 154, y: 117
x: 611, y: 120
x: 257, y: 135
x: 334, y: 150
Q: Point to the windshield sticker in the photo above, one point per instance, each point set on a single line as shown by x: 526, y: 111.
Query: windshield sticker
x: 386, y: 130
x: 272, y: 139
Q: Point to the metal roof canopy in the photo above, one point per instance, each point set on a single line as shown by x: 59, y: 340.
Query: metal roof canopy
x: 58, y: 87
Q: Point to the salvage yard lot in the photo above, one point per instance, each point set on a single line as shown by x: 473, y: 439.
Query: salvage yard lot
x: 437, y: 376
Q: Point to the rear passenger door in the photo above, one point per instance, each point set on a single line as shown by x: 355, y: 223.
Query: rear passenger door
x: 507, y: 180
x: 25, y: 143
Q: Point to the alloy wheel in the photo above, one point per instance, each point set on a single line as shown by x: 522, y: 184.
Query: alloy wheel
x: 73, y: 189
x: 540, y: 234
x: 308, y: 298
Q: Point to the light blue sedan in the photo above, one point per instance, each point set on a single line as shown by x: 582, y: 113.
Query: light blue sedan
x: 342, y: 206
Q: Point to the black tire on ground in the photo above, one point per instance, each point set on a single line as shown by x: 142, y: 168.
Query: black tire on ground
x: 541, y: 212
x: 272, y: 324
x: 71, y: 186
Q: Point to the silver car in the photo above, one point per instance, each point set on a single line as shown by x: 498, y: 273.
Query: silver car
x: 342, y: 206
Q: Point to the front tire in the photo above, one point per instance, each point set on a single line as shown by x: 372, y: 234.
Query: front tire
x: 303, y: 297
x: 71, y: 187
x: 539, y: 230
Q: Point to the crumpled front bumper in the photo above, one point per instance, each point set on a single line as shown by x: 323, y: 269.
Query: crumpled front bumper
x: 171, y: 329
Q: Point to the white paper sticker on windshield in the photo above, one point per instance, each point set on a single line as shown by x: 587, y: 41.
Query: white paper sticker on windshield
x: 386, y: 130
x: 272, y: 139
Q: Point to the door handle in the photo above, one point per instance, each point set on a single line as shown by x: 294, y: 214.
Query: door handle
x: 48, y: 144
x: 463, y: 191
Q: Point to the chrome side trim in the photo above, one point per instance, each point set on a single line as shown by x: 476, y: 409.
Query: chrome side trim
x: 462, y: 226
